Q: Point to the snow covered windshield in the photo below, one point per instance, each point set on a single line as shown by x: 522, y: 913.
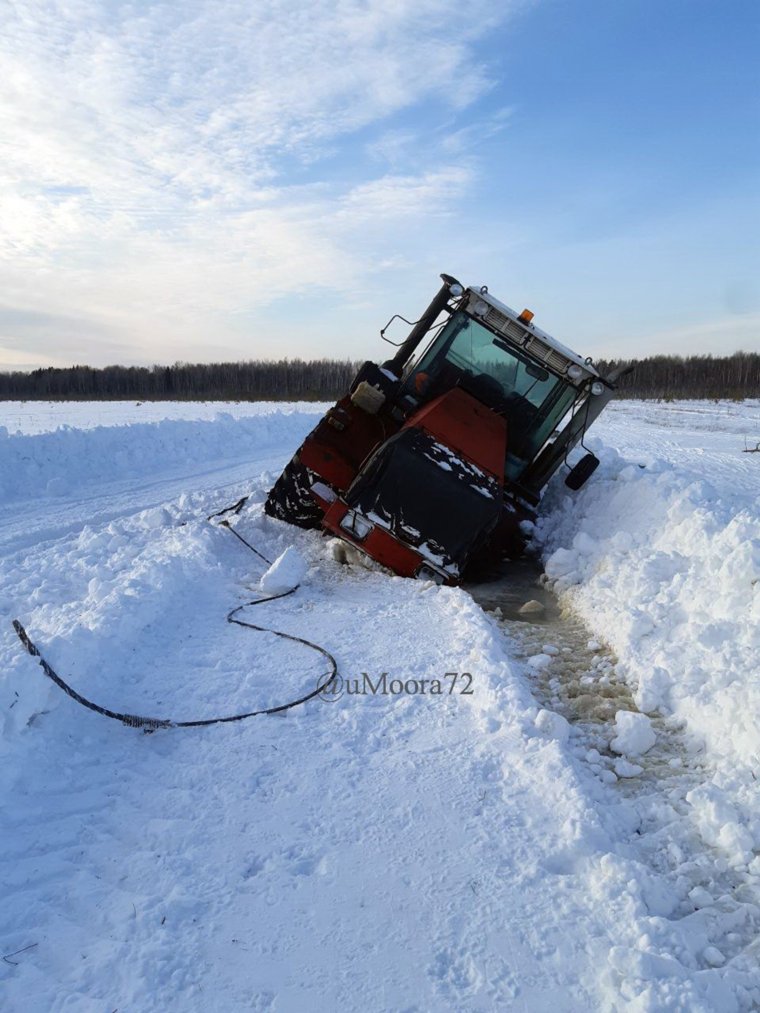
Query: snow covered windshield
x: 532, y: 399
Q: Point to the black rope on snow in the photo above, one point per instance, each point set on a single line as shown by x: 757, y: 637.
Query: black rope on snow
x: 151, y: 724
x: 226, y: 524
x: 128, y: 719
x: 234, y: 509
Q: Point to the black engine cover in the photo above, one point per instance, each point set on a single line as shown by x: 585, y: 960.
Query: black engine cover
x: 415, y: 484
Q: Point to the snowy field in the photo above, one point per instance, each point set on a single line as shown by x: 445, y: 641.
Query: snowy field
x: 32, y: 417
x: 579, y: 832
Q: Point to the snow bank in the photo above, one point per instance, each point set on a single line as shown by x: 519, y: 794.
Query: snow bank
x: 665, y: 567
x: 60, y: 463
x: 32, y: 417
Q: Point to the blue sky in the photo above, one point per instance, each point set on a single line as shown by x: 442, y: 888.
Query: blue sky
x: 227, y: 180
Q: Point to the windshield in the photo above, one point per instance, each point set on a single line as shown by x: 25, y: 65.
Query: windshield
x: 532, y: 399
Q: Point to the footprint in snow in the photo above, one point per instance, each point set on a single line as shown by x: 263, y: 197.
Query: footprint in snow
x: 455, y: 972
x: 304, y: 863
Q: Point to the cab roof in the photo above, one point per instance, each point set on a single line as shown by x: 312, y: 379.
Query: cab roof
x: 522, y: 332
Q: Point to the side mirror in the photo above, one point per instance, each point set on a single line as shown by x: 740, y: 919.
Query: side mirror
x: 580, y: 473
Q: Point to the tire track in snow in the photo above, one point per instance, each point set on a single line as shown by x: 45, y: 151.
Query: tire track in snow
x: 706, y: 913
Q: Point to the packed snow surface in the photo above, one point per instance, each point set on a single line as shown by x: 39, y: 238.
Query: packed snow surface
x: 388, y: 847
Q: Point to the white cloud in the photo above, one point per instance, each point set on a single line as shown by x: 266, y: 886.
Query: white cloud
x: 396, y: 147
x: 403, y: 196
x: 158, y: 164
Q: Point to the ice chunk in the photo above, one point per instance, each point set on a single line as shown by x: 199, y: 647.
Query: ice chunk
x: 713, y: 956
x: 540, y: 661
x: 700, y: 897
x: 285, y: 573
x: 553, y: 725
x: 560, y: 563
x: 634, y: 733
x: 625, y: 769
x: 584, y: 543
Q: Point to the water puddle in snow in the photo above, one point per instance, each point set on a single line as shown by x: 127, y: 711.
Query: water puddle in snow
x: 577, y: 677
x: 572, y: 673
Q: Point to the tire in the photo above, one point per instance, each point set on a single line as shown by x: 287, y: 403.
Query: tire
x: 290, y: 498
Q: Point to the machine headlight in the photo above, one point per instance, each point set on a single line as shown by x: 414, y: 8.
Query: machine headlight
x: 426, y: 572
x: 574, y: 372
x: 456, y: 289
x: 597, y: 388
x: 356, y: 525
x: 480, y: 307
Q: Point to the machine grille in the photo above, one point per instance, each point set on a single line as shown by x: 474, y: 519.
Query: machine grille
x: 515, y: 331
x: 506, y: 325
x: 556, y: 360
x: 496, y: 319
x: 550, y: 355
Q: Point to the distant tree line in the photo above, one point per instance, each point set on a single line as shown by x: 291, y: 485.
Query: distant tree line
x: 695, y: 376
x: 285, y: 380
x: 661, y: 376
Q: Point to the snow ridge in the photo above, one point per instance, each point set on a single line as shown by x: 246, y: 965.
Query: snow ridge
x: 60, y: 463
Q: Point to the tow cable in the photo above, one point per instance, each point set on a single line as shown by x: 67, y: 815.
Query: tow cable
x: 151, y: 724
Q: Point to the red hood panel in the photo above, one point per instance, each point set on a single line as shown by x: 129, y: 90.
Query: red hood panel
x: 465, y: 425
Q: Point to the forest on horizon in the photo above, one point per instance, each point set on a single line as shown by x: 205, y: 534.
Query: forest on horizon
x: 663, y: 377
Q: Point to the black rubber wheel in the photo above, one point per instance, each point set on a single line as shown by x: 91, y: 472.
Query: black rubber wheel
x: 290, y: 498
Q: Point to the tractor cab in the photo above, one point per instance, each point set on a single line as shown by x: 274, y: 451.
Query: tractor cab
x: 532, y: 400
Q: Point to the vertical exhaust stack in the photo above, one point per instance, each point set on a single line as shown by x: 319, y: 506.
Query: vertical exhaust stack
x: 451, y: 288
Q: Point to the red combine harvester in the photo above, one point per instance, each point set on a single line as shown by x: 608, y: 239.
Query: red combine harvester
x: 432, y: 462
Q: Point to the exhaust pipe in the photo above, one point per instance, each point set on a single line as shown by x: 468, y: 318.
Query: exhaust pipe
x: 423, y: 325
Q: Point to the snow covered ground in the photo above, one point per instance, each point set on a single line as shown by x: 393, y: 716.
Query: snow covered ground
x: 522, y: 846
x: 31, y: 417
